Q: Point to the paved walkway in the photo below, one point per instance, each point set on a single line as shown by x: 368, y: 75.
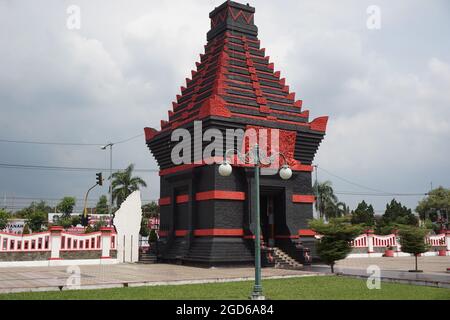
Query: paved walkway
x: 107, y: 276
x: 427, y: 264
x: 19, y: 279
x: 396, y: 269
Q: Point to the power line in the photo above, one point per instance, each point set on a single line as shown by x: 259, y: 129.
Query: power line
x: 65, y: 143
x: 50, y: 143
x: 381, y: 194
x: 377, y: 191
x: 129, y: 139
x: 46, y: 198
x: 65, y: 168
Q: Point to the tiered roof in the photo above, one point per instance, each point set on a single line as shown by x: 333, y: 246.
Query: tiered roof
x: 235, y: 79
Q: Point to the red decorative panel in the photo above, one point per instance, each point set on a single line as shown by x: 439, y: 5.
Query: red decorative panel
x: 306, y: 233
x: 164, y: 201
x: 286, y: 143
x: 219, y: 232
x: 182, y: 198
x: 220, y: 195
x: 303, y: 198
x: 180, y: 233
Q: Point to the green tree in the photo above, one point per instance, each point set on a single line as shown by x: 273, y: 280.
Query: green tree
x: 36, y: 221
x: 150, y: 210
x: 102, y: 205
x: 26, y: 229
x: 326, y: 199
x: 363, y: 214
x: 99, y: 224
x: 412, y: 240
x: 343, y: 209
x: 64, y: 221
x: 33, y: 207
x: 395, y: 216
x: 336, y: 235
x: 66, y: 206
x: 4, y: 216
x: 436, y: 204
x: 145, y: 230
x: 76, y: 220
x: 153, y: 237
x: 123, y: 184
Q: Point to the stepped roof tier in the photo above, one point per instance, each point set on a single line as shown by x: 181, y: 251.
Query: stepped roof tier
x: 235, y: 84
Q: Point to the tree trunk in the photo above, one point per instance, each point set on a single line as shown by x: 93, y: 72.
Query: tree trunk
x: 416, y: 261
x: 332, y: 267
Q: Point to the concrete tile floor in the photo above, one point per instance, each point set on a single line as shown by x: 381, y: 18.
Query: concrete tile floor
x: 40, y: 278
x: 52, y: 278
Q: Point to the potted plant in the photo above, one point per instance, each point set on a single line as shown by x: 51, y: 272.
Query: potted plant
x: 442, y: 252
x: 389, y: 252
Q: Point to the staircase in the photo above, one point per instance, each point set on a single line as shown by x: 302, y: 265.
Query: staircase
x: 147, y: 258
x: 284, y: 261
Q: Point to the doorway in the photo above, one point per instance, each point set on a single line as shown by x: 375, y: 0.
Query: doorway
x: 272, y: 214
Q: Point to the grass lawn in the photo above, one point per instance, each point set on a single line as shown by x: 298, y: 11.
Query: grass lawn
x: 323, y: 287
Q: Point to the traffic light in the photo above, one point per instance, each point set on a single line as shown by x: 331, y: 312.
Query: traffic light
x: 99, y: 179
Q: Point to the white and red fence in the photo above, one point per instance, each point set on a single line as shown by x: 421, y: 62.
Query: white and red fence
x: 372, y: 245
x: 58, y: 247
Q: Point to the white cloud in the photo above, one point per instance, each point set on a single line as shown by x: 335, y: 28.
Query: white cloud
x: 387, y: 95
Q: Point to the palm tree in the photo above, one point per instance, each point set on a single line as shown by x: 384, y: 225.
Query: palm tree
x: 123, y: 184
x: 326, y: 199
x: 342, y: 209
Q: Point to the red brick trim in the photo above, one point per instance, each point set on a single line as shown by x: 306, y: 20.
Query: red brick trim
x: 219, y: 232
x: 306, y: 233
x: 186, y: 167
x: 220, y: 195
x: 183, y: 198
x: 164, y: 201
x: 303, y: 198
x: 286, y: 237
x: 181, y: 233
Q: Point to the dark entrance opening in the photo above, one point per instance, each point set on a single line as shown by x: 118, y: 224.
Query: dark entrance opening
x: 272, y: 212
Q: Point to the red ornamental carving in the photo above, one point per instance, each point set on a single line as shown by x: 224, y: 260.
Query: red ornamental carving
x: 286, y: 142
x: 220, y: 17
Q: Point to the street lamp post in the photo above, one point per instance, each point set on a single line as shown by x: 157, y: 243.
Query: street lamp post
x: 110, y: 145
x: 225, y: 169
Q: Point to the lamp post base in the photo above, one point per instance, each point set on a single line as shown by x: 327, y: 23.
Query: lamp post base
x: 257, y: 296
x: 257, y: 293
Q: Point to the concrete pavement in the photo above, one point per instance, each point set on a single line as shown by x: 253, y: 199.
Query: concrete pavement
x: 107, y: 276
x: 396, y: 269
x: 19, y: 279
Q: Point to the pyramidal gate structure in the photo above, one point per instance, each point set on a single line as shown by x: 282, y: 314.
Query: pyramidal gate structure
x: 205, y: 217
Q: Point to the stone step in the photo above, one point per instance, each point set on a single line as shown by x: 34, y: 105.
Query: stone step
x: 283, y: 260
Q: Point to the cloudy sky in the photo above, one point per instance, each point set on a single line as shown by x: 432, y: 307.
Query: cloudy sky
x: 387, y: 91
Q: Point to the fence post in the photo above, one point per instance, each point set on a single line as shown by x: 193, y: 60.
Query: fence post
x: 447, y: 241
x: 397, y: 242
x: 106, y: 242
x: 369, y: 241
x: 55, y: 242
